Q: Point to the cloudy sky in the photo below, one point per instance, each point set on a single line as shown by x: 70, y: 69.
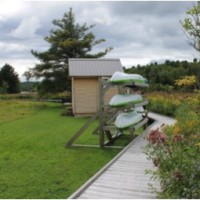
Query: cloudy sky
x: 139, y: 32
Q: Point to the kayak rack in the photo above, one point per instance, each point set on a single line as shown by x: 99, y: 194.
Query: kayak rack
x: 106, y: 115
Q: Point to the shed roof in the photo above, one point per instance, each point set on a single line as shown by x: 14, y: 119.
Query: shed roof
x: 94, y: 67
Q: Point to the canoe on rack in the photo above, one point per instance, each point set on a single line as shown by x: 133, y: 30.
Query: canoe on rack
x: 126, y: 120
x: 123, y: 78
x: 120, y: 100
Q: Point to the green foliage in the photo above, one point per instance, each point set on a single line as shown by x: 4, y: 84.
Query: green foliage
x: 4, y: 87
x: 167, y: 103
x: 187, y: 82
x: 163, y: 103
x: 9, y: 81
x: 33, y: 160
x: 63, y: 97
x: 191, y: 26
x: 27, y: 75
x: 175, y: 151
x: 162, y: 77
x: 187, y: 120
x: 28, y: 86
x: 68, y: 40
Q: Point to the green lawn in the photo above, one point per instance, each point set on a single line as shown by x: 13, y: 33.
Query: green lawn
x: 33, y: 160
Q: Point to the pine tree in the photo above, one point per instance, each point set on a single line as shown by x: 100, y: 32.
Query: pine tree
x: 68, y: 40
x: 9, y: 81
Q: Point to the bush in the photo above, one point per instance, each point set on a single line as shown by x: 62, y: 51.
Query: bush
x: 175, y: 151
x: 163, y: 104
x: 168, y: 103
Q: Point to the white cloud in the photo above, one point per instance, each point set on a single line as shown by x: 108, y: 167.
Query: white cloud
x: 10, y: 8
x: 12, y: 47
x: 129, y: 62
x: 138, y: 31
x: 27, y: 28
x: 99, y: 15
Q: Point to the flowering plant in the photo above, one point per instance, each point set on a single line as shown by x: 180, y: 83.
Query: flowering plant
x: 175, y: 152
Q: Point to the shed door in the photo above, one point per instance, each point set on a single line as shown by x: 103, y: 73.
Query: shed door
x: 85, y: 96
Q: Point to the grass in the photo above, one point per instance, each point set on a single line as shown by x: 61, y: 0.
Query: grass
x: 33, y: 160
x: 13, y: 110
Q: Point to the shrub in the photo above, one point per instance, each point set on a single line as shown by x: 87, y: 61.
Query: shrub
x: 168, y: 103
x: 175, y: 151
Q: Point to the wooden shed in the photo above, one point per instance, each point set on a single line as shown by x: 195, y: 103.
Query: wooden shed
x: 85, y: 74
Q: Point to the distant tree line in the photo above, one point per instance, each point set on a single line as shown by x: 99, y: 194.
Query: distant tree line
x: 170, y: 74
x: 30, y: 86
x: 9, y: 80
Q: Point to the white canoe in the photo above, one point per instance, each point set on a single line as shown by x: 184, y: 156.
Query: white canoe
x: 125, y: 99
x: 121, y: 77
x: 126, y: 120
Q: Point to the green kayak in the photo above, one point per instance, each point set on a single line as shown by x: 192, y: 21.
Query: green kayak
x: 120, y: 78
x: 126, y: 120
x: 124, y: 99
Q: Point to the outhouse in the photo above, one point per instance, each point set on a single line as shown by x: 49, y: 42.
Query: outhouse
x: 85, y: 74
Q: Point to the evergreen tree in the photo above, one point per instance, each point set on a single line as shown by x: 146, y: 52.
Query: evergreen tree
x: 67, y: 40
x: 9, y: 81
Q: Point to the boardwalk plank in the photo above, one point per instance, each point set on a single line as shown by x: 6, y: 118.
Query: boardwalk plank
x: 125, y: 191
x: 122, y: 178
x: 116, y: 194
x: 124, y: 186
x: 125, y: 178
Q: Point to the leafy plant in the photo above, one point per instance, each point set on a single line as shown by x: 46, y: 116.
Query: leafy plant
x: 167, y: 103
x: 175, y: 150
x: 188, y: 82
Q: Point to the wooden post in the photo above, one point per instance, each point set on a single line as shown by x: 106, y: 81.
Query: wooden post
x: 83, y: 128
x: 101, y: 113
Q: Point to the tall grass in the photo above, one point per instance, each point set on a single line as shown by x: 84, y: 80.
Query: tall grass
x: 167, y: 103
x: 64, y: 96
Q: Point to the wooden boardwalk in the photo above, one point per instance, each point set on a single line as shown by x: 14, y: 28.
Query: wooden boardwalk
x: 124, y: 177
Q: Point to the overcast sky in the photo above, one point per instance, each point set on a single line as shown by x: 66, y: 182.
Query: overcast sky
x: 139, y: 32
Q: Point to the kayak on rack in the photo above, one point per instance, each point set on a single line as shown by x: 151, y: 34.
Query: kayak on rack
x: 126, y: 120
x: 124, y: 99
x: 139, y: 109
x: 121, y: 77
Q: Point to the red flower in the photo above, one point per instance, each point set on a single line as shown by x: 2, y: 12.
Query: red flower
x: 156, y: 137
x: 177, y: 138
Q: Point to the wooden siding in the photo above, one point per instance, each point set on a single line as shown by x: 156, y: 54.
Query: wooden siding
x: 85, y: 95
x: 85, y: 92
